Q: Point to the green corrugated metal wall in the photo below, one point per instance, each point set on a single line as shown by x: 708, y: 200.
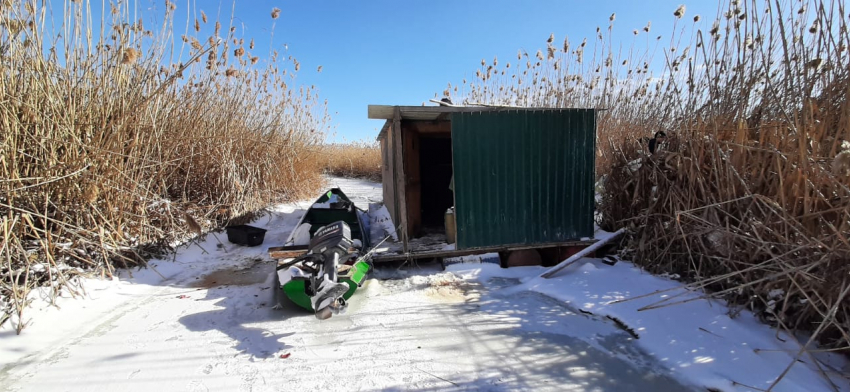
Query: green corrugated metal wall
x: 523, y: 176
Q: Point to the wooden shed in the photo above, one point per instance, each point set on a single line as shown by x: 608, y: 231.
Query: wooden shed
x: 517, y: 178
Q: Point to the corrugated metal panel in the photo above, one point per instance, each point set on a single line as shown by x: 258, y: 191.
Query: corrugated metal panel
x: 524, y: 176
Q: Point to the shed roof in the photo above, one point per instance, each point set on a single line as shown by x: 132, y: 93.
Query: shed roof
x: 430, y: 113
x: 385, y: 112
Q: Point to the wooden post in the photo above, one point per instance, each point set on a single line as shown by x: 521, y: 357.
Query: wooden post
x: 401, y: 198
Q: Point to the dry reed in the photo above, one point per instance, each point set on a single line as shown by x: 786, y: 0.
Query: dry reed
x: 357, y: 159
x: 119, y: 141
x: 750, y: 197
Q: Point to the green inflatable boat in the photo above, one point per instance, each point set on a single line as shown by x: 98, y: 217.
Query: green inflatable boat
x: 323, y: 274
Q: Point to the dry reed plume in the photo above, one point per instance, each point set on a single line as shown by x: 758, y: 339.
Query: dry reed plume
x: 119, y: 140
x: 750, y: 197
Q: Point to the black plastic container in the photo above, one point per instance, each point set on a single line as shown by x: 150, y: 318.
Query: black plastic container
x: 245, y: 235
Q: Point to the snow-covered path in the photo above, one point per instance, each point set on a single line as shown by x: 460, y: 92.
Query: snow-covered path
x: 425, y: 332
x: 209, y: 326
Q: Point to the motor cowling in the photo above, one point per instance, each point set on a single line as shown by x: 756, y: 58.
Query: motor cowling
x: 332, y: 238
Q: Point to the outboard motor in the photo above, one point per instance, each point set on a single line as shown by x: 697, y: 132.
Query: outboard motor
x: 331, y: 243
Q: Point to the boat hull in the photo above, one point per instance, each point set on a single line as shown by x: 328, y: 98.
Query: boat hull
x: 330, y: 207
x: 295, y: 288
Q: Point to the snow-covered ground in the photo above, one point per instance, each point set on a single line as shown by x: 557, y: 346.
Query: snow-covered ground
x: 204, y: 322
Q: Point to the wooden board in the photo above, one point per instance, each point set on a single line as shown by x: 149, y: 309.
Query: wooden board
x: 401, y: 198
x: 389, y: 178
x: 283, y: 252
x: 584, y: 252
x: 425, y: 248
x: 431, y: 127
x: 384, y: 129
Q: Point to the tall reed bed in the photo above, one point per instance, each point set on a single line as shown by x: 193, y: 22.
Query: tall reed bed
x: 356, y: 159
x: 750, y: 196
x: 121, y: 137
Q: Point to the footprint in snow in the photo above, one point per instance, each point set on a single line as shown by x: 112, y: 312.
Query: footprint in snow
x: 207, y: 369
x: 196, y: 386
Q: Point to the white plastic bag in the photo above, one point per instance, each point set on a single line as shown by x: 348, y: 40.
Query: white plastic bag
x: 301, y: 236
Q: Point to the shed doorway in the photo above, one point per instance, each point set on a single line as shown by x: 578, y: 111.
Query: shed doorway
x: 435, y: 172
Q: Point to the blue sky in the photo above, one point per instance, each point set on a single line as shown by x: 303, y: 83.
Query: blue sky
x: 402, y: 52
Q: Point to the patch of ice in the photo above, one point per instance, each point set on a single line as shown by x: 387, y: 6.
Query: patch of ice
x: 696, y: 340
